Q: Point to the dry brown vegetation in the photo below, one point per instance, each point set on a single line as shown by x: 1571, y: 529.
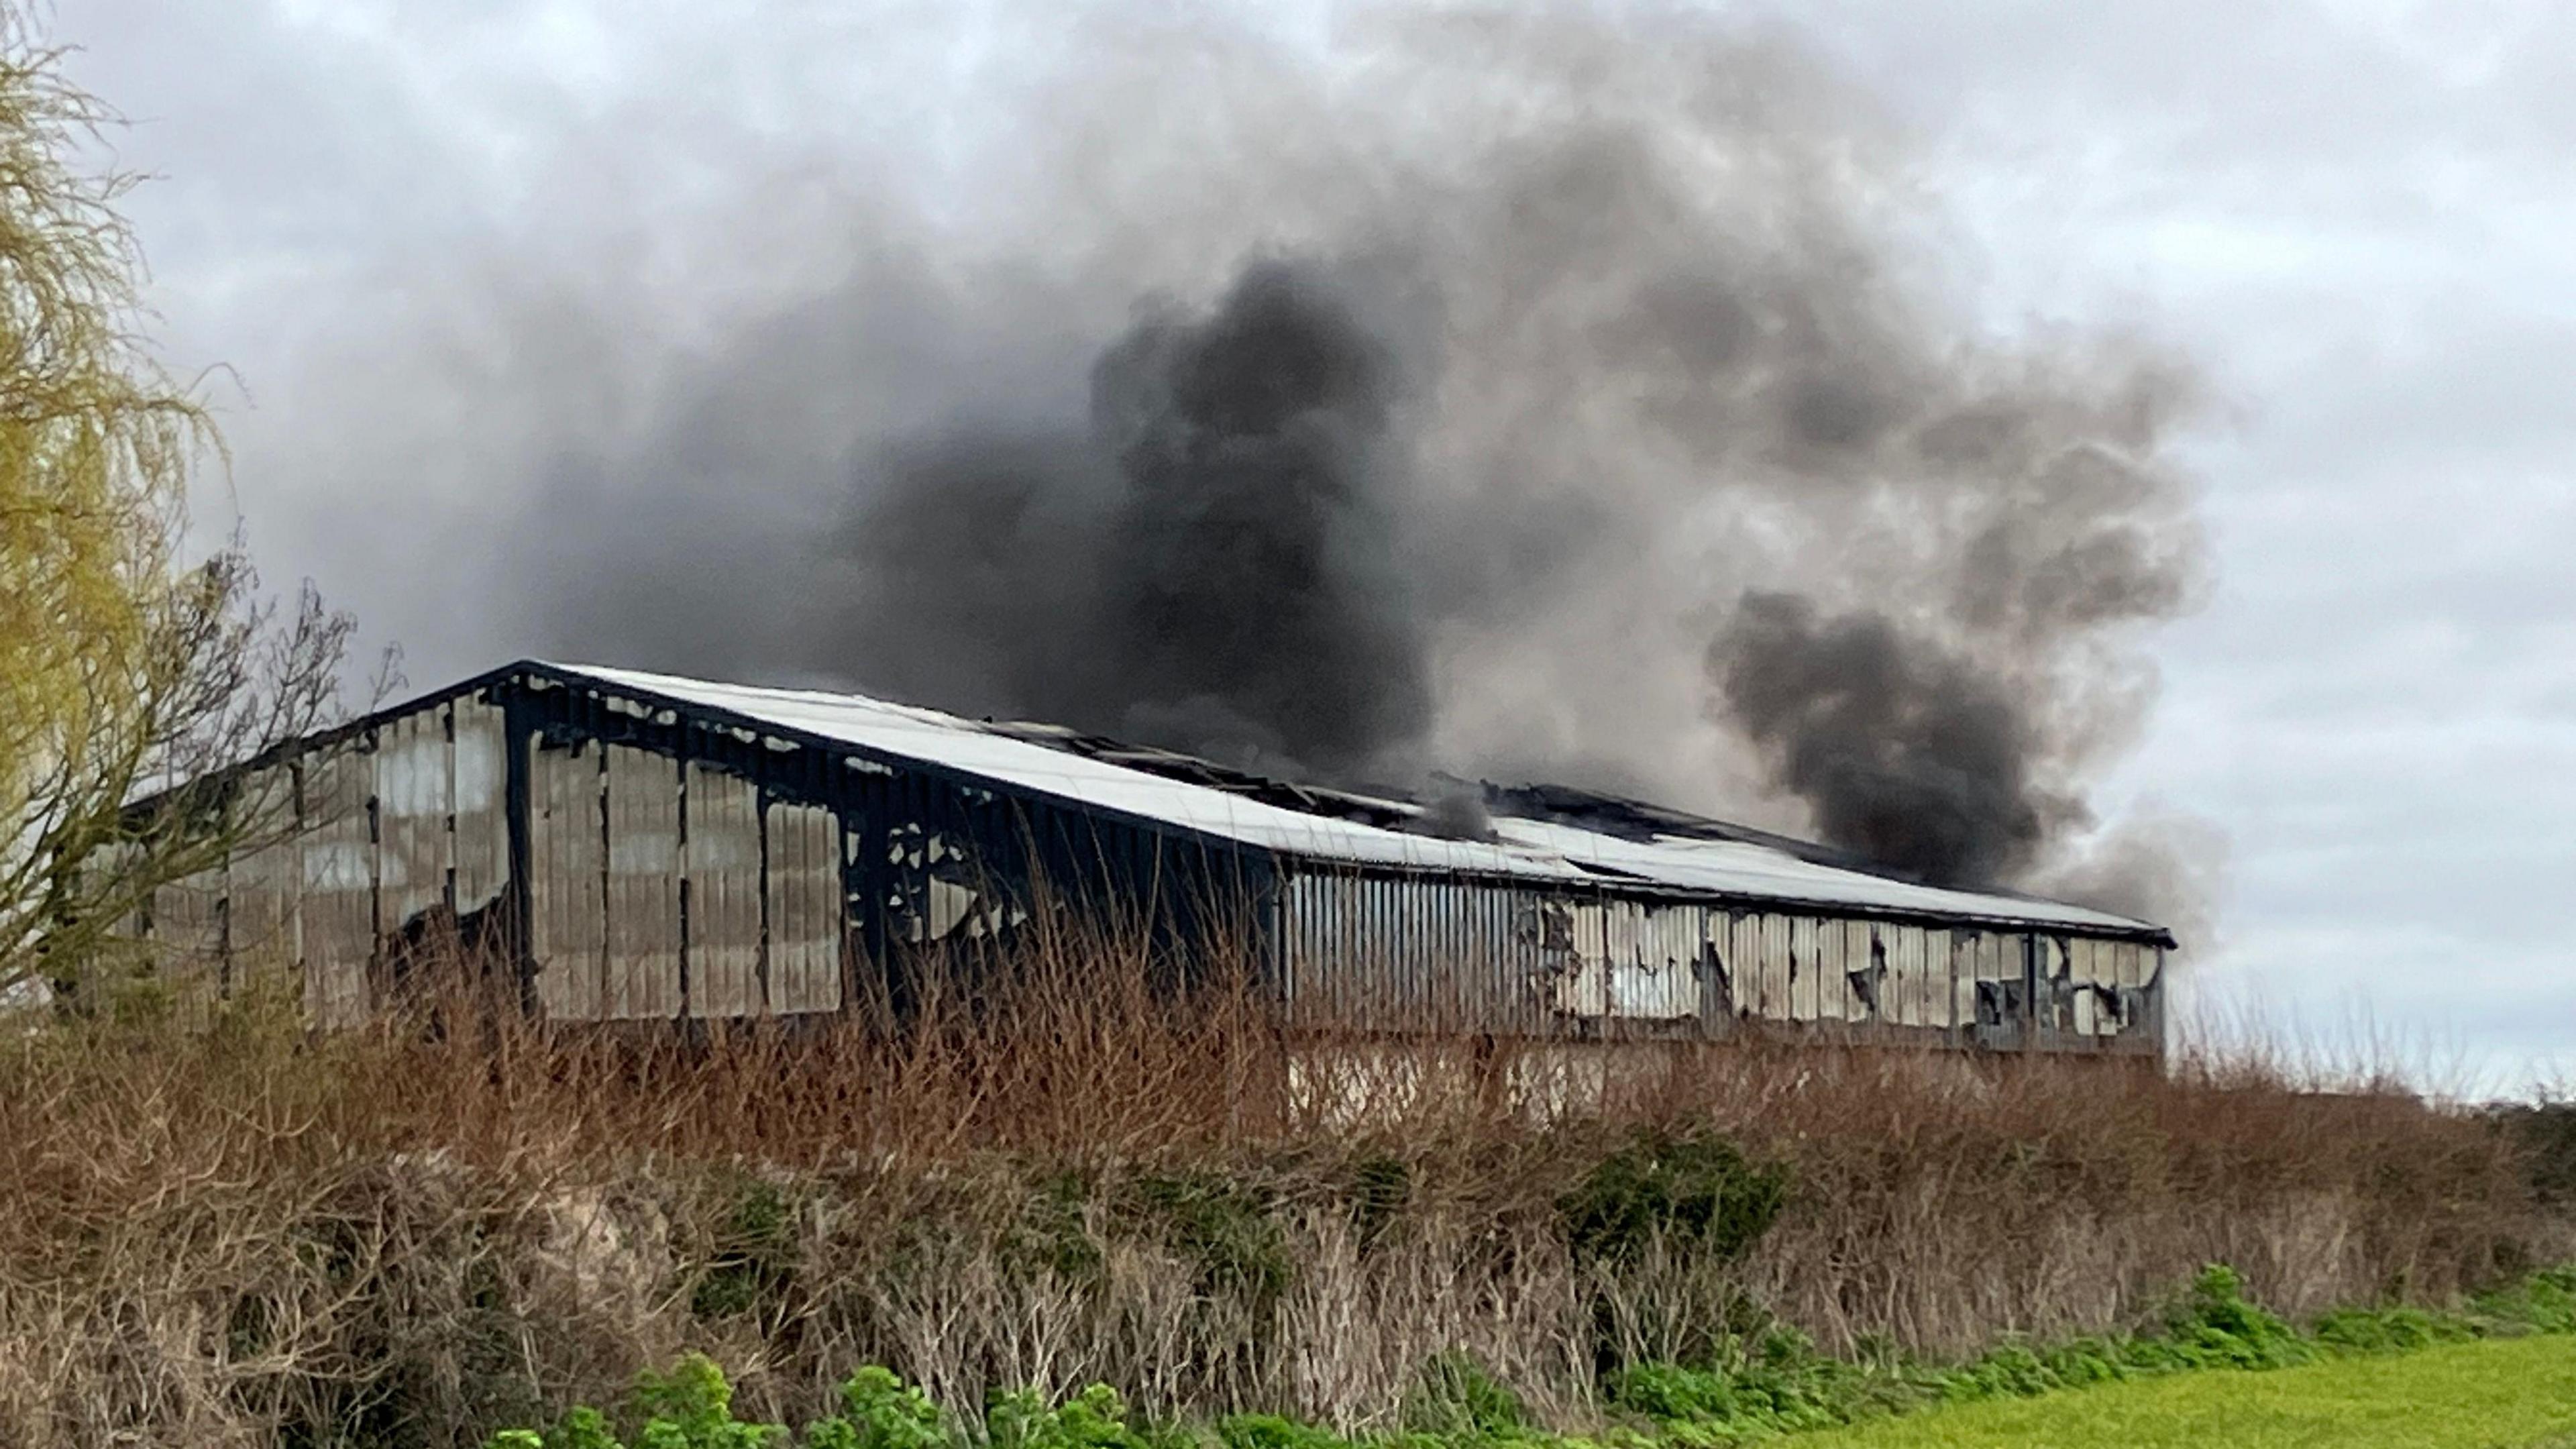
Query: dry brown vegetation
x: 244, y: 1235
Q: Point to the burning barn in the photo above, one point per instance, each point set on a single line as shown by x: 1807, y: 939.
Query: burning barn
x: 647, y: 847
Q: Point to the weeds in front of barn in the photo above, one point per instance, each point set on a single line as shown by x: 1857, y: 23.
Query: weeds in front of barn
x: 1075, y: 1171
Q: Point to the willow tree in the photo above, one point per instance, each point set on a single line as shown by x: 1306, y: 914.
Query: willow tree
x: 127, y: 668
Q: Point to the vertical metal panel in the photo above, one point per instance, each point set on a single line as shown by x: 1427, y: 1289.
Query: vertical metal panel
x: 567, y: 861
x: 2083, y: 1000
x: 1968, y: 953
x: 1762, y: 964
x: 1743, y: 952
x: 803, y: 897
x: 412, y: 775
x: 265, y: 883
x: 1900, y: 949
x: 2052, y: 986
x: 188, y: 934
x: 722, y: 861
x: 643, y: 975
x: 1859, y: 973
x: 1803, y: 933
x: 1779, y: 967
x: 1662, y: 981
x: 478, y: 791
x: 339, y: 897
x: 1932, y: 1007
x: 1833, y: 988
x: 1403, y: 952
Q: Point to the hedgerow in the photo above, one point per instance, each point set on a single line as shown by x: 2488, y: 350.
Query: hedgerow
x: 1768, y: 1382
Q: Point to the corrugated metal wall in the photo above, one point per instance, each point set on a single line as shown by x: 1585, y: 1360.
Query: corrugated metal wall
x: 264, y: 889
x: 188, y: 920
x: 338, y: 903
x: 662, y: 887
x: 653, y: 884
x: 802, y: 902
x: 370, y: 838
x: 643, y: 848
x: 720, y: 870
x: 1359, y: 948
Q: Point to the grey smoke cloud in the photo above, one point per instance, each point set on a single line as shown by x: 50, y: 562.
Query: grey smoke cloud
x: 1453, y: 442
x: 1429, y: 402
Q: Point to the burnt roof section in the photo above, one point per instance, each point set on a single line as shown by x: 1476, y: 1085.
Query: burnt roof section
x: 1614, y: 815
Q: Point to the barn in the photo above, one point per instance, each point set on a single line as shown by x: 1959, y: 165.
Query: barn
x: 646, y: 847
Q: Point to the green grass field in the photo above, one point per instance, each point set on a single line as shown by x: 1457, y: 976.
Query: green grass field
x: 2500, y: 1394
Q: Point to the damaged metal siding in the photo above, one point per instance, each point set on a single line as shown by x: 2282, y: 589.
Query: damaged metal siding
x: 643, y: 857
x: 386, y: 833
x: 479, y: 770
x: 664, y: 886
x: 413, y: 772
x: 1359, y: 948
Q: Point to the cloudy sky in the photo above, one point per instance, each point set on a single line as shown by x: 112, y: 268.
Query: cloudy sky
x: 449, y: 257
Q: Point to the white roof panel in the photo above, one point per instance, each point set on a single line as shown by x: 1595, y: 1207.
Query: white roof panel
x: 1538, y: 849
x: 931, y: 737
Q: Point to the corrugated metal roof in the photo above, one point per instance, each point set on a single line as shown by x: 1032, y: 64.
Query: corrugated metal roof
x: 1537, y: 849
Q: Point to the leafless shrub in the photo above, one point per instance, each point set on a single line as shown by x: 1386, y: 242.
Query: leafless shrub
x: 1082, y: 1170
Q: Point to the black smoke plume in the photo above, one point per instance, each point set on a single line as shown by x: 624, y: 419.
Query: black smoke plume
x: 1208, y: 566
x: 1908, y: 755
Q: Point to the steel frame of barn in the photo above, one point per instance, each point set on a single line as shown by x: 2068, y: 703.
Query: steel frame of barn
x: 649, y: 848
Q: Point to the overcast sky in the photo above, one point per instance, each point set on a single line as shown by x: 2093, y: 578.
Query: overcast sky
x: 2357, y: 220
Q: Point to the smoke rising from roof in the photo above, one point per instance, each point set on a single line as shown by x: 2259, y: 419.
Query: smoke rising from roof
x: 1218, y: 572
x: 1589, y: 395
x: 1907, y: 754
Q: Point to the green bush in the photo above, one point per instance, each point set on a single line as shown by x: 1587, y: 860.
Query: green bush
x: 1699, y: 1193
x: 1096, y: 1418
x: 1458, y: 1398
x: 691, y: 1407
x: 1380, y: 1188
x: 880, y: 1411
x: 753, y: 1261
x: 1269, y: 1431
x: 1221, y: 1225
x: 2389, y: 1330
x: 2215, y: 1326
x: 2544, y: 1302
